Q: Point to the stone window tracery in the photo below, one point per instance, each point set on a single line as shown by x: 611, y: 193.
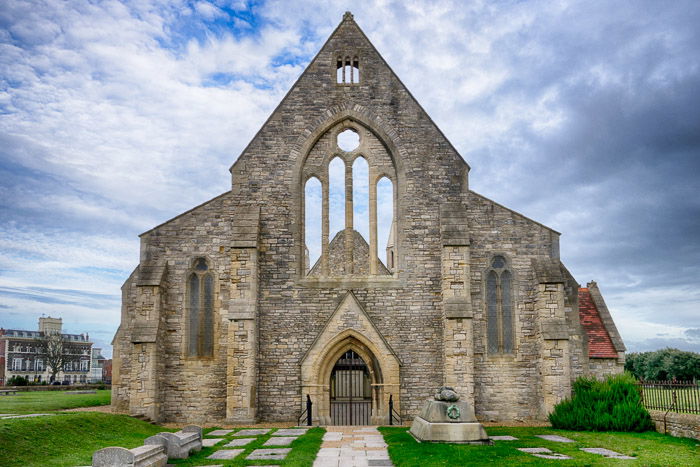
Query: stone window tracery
x: 499, y: 306
x: 200, y: 289
x: 357, y: 204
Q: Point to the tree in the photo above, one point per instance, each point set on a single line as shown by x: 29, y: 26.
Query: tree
x: 666, y: 364
x: 56, y: 351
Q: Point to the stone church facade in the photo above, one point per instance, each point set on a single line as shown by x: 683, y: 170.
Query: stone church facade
x: 226, y: 319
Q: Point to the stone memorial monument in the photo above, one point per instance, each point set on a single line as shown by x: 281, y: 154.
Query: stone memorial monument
x: 446, y: 419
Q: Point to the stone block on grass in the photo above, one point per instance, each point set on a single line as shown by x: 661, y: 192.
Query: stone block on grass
x: 268, y: 454
x: 253, y: 432
x: 606, y: 453
x: 556, y: 438
x: 290, y: 432
x: 209, y: 442
x: 239, y: 442
x: 225, y: 454
x: 280, y: 441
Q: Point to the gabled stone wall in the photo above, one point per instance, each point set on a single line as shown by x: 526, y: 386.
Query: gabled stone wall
x: 428, y: 312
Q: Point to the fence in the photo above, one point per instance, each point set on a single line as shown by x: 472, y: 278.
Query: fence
x: 671, y: 396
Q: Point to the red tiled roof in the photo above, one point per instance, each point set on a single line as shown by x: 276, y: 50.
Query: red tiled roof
x: 599, y: 343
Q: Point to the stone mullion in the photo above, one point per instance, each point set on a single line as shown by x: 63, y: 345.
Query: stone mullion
x: 324, y: 224
x: 348, y: 220
x: 372, y: 221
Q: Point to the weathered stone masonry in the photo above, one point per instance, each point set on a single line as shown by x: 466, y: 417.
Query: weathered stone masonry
x: 278, y: 331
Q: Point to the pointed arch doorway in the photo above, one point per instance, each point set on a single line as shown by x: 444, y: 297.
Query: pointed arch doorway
x: 351, y: 343
x: 350, y: 391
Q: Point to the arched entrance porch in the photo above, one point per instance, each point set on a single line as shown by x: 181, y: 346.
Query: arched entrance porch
x: 333, y: 378
x: 350, y: 329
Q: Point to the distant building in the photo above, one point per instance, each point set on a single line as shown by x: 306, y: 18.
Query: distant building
x: 107, y: 371
x: 20, y: 354
x: 96, y: 363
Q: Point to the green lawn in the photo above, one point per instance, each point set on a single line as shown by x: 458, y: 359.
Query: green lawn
x: 650, y: 448
x: 68, y: 438
x: 47, y: 401
x: 303, y: 453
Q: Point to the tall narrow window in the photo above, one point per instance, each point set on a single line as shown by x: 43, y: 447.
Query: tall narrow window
x: 313, y: 196
x: 385, y: 218
x: 336, y: 192
x: 360, y: 197
x: 201, y: 310
x: 347, y: 71
x: 499, y: 307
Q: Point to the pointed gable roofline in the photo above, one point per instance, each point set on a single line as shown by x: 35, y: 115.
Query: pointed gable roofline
x: 347, y: 17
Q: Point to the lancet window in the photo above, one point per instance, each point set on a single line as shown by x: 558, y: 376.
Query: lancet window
x: 200, y: 291
x: 347, y: 70
x: 349, y: 204
x: 499, y: 306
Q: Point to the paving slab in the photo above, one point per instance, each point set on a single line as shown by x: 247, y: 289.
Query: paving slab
x: 556, y: 438
x: 239, y: 442
x: 352, y: 446
x: 209, y: 442
x: 280, y: 441
x: 269, y: 454
x: 225, y: 454
x: 253, y: 432
x: 607, y: 453
x: 218, y: 433
x: 544, y: 453
x: 290, y: 432
x: 504, y: 438
x: 327, y: 462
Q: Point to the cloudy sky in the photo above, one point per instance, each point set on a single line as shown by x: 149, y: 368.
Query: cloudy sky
x: 584, y: 115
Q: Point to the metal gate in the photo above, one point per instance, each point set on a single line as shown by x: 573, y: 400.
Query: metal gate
x: 351, y: 393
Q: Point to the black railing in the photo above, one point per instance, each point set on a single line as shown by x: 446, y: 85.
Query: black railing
x: 671, y: 396
x: 393, y: 414
x: 306, y: 413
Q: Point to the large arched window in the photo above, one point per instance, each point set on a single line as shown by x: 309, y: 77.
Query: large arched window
x: 355, y: 206
x: 200, y: 290
x: 499, y: 306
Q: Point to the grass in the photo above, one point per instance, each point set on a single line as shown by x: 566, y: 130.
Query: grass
x: 650, y: 448
x: 49, y: 401
x: 303, y: 453
x: 68, y: 438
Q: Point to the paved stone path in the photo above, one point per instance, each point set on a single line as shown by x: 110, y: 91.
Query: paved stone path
x: 356, y: 446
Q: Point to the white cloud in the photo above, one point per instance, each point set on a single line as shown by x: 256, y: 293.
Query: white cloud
x: 130, y: 113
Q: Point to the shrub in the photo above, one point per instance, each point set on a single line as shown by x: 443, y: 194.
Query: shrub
x: 17, y: 381
x: 610, y: 405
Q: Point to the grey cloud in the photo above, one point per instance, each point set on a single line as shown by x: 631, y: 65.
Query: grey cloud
x: 655, y: 343
x: 62, y: 296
